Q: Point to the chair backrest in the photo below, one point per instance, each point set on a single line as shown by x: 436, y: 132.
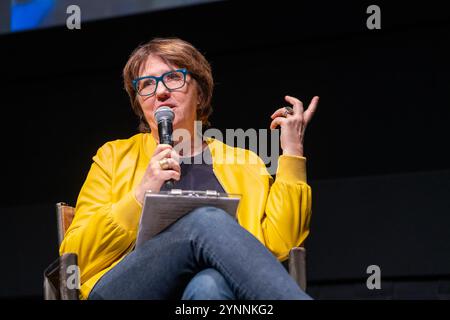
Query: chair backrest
x: 56, y: 275
x: 64, y: 217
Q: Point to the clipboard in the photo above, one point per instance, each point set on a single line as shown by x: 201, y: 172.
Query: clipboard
x: 162, y: 209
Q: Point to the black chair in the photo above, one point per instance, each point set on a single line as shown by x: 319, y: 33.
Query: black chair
x: 60, y: 272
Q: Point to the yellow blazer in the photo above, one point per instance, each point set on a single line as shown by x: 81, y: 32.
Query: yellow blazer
x: 107, y: 213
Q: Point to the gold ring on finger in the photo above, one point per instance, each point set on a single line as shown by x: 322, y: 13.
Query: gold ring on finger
x: 164, y: 163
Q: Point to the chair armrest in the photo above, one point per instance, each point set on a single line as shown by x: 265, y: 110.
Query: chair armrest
x: 56, y: 277
x: 297, y: 266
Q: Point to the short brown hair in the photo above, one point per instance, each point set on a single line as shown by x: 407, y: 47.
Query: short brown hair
x: 179, y: 53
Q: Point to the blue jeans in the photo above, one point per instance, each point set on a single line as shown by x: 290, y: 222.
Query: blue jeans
x: 204, y: 255
x: 208, y: 284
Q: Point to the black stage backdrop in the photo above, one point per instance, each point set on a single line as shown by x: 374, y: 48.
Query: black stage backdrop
x: 376, y: 149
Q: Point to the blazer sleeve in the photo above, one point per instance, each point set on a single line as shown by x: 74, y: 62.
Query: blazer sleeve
x: 288, y: 207
x: 102, y: 230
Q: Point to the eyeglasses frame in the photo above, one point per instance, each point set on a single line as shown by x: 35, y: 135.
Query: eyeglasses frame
x: 159, y: 79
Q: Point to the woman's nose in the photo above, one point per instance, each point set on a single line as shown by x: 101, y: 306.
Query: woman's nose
x: 162, y: 91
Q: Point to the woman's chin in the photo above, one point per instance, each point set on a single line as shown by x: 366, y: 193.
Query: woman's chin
x: 178, y: 125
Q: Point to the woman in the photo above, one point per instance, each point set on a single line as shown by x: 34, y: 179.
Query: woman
x: 206, y: 254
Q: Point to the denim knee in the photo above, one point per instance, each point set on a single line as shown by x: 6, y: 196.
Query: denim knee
x: 209, y: 216
x: 208, y: 284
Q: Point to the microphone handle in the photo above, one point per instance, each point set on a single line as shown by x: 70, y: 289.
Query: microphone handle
x: 169, y: 184
x: 165, y: 136
x: 165, y: 130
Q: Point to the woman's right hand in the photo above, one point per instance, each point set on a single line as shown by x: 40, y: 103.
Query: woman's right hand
x: 154, y: 175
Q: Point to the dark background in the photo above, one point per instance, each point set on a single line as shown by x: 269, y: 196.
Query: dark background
x: 377, y: 148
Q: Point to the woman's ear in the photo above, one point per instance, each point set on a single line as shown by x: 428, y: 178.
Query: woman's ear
x: 199, y: 98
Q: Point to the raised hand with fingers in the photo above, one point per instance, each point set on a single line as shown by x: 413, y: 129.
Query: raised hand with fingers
x: 293, y: 122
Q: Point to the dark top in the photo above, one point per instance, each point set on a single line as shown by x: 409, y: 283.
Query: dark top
x: 197, y: 174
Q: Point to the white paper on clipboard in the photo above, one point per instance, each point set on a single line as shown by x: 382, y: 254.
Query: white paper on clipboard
x: 161, y: 209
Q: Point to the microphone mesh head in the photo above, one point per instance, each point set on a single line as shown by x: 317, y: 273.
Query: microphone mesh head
x: 164, y: 113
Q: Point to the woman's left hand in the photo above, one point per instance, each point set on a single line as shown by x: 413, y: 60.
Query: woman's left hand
x: 293, y: 125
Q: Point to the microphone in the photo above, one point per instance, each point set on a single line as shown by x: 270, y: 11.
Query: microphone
x: 164, y: 118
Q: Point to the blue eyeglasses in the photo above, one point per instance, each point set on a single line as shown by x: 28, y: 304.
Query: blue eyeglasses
x: 146, y: 86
